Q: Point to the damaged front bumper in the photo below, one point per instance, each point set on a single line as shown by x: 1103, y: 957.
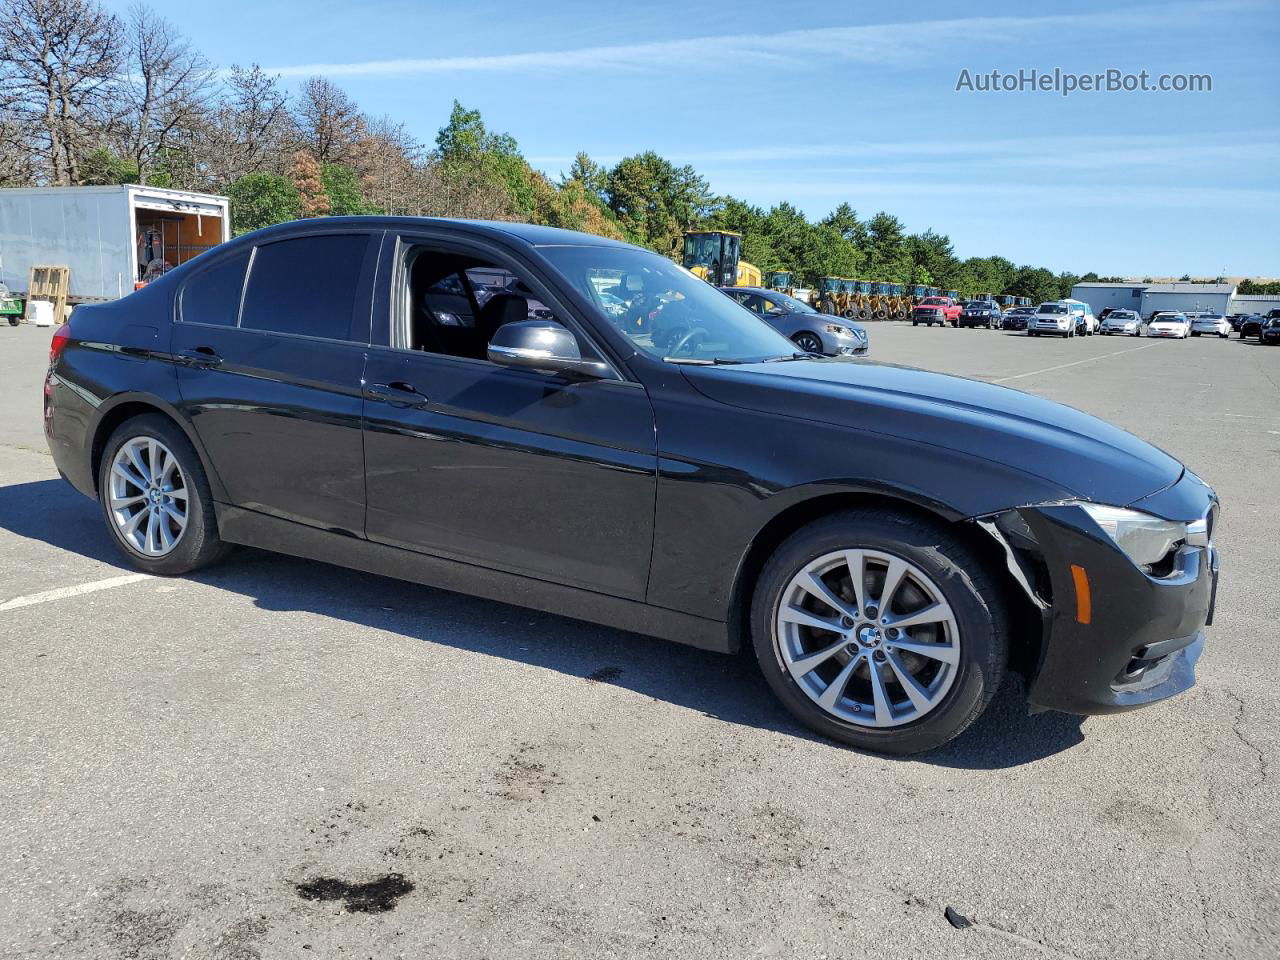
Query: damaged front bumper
x: 1115, y: 636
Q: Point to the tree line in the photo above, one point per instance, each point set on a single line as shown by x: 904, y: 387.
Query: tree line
x: 88, y: 97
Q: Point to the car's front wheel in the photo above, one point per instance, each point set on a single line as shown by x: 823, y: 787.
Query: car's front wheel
x: 155, y: 498
x: 879, y: 630
x: 807, y: 342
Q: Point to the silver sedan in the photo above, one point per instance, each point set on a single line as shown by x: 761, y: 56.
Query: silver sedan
x: 811, y: 331
x: 1122, y: 321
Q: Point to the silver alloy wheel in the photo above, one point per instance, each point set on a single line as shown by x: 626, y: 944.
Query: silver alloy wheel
x: 147, y: 496
x: 868, y: 636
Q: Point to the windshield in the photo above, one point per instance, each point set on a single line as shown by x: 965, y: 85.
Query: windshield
x: 666, y: 311
x: 1052, y: 308
x: 791, y: 304
x: 702, y: 251
x: 1170, y: 318
x: 934, y: 302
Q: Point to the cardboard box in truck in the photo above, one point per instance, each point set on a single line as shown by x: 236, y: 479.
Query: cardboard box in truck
x: 108, y: 236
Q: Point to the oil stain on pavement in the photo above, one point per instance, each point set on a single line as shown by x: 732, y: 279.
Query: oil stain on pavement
x: 373, y: 896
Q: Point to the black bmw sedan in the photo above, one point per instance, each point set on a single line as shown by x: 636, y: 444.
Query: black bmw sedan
x: 887, y: 541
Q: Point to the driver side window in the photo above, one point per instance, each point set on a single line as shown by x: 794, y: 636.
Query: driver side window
x: 455, y: 304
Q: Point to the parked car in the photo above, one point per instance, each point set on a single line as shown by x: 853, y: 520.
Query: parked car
x: 939, y: 310
x: 886, y: 540
x: 1270, y: 332
x: 1235, y: 319
x: 1168, y: 324
x: 1016, y: 318
x: 811, y: 331
x: 1121, y: 321
x: 980, y: 313
x: 1213, y: 324
x: 1084, y: 312
x: 1055, y: 319
x: 1251, y: 326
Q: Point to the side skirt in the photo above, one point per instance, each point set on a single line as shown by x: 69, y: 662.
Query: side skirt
x: 237, y: 525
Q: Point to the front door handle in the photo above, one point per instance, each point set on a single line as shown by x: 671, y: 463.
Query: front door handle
x: 205, y: 357
x: 397, y: 394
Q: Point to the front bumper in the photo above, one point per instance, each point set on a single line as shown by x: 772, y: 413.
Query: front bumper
x: 1133, y: 638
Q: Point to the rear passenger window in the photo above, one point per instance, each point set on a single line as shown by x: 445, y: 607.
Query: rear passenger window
x: 305, y: 286
x: 213, y: 296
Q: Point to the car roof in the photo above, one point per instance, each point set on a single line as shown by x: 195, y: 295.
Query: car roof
x: 532, y: 234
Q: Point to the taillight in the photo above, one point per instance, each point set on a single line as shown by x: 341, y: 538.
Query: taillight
x: 61, y: 337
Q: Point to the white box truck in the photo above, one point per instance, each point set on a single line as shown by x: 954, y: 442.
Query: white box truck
x: 112, y: 238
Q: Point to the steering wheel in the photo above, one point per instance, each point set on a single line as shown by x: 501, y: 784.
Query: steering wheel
x: 686, y: 340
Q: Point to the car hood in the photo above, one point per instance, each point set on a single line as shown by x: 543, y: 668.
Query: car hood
x: 1085, y: 457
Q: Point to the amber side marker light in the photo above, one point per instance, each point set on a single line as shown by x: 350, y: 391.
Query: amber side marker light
x: 1084, y: 602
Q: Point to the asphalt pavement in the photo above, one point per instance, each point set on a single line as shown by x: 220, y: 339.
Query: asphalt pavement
x: 277, y: 758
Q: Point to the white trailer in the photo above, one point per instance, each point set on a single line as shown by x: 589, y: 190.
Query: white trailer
x: 107, y: 235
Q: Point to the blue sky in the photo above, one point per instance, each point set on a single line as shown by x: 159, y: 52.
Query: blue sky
x: 819, y: 103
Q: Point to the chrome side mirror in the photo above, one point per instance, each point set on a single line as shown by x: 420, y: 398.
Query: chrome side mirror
x: 542, y: 345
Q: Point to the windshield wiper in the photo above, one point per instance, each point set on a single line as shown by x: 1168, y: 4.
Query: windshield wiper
x: 703, y: 361
x: 791, y: 356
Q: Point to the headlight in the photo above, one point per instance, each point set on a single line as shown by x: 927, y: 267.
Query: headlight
x: 838, y: 331
x: 1143, y: 538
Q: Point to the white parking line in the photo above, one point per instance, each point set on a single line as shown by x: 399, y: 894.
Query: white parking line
x: 62, y: 593
x: 1073, y: 363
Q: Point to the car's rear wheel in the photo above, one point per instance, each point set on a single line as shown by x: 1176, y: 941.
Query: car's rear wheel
x: 155, y: 498
x: 879, y: 630
x: 807, y: 342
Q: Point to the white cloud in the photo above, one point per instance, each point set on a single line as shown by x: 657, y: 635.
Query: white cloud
x: 872, y: 193
x: 879, y: 43
x: 1082, y: 152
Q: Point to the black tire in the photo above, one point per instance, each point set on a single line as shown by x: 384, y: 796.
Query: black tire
x: 966, y: 584
x: 916, y: 323
x: 807, y: 342
x: 199, y: 544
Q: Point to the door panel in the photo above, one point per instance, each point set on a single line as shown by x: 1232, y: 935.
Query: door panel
x: 280, y: 419
x: 511, y: 469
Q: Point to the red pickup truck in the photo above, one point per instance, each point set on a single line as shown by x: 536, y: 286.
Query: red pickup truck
x: 939, y: 310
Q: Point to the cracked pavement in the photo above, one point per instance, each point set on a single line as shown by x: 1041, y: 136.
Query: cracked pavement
x: 182, y: 756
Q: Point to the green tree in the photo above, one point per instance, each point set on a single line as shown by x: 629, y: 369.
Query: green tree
x: 656, y: 201
x: 845, y: 219
x: 261, y: 199
x: 102, y: 167
x: 932, y: 259
x: 1037, y: 283
x: 342, y: 188
x: 588, y: 173
x: 467, y: 148
x: 887, y: 255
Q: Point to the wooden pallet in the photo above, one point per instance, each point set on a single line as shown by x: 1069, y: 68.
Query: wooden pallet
x: 52, y: 284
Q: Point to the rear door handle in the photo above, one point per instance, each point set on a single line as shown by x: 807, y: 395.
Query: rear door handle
x: 200, y: 357
x: 397, y: 394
